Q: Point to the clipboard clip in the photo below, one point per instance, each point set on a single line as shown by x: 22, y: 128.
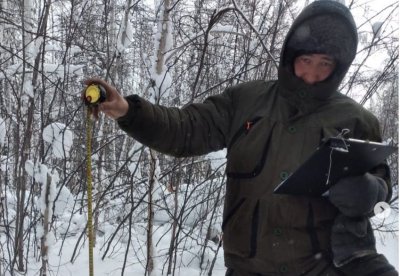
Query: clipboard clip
x: 337, y: 145
x: 340, y: 145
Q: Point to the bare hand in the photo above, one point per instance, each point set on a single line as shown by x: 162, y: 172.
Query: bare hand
x: 115, y: 106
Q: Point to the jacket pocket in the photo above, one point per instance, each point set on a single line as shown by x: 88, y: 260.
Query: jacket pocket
x: 247, y: 151
x: 243, y: 130
x: 240, y: 229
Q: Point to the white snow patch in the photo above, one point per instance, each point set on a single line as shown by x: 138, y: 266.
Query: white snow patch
x: 125, y: 35
x: 217, y: 159
x: 64, y: 203
x: 50, y: 239
x: 162, y: 78
x: 377, y: 29
x: 37, y: 171
x: 2, y: 131
x: 223, y: 28
x: 60, y: 139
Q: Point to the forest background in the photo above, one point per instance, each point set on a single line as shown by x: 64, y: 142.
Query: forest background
x: 153, y: 214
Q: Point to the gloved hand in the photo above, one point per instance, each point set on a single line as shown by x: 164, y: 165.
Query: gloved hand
x: 357, y: 195
x: 351, y: 238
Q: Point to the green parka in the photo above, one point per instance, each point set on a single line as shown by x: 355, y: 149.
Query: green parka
x: 269, y: 128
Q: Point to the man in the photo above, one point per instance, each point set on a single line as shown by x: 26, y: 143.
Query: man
x: 269, y: 128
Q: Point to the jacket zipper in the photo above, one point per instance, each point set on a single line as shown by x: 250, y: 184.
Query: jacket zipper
x: 258, y: 168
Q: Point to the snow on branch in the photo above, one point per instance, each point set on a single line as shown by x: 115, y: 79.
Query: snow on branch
x: 217, y: 28
x: 2, y: 131
x: 60, y: 139
x: 163, y: 42
x: 125, y: 34
x: 239, y: 11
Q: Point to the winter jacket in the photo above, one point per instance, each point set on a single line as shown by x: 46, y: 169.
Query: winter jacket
x: 266, y: 139
x: 269, y: 128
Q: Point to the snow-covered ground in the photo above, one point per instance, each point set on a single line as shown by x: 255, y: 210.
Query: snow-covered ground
x: 60, y: 261
x: 389, y: 246
x: 388, y: 243
x: 188, y: 261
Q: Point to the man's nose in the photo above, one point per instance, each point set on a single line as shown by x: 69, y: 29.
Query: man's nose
x: 311, y: 78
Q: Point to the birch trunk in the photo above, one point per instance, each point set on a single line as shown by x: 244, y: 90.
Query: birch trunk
x: 150, y: 215
x: 159, y: 66
x: 46, y: 223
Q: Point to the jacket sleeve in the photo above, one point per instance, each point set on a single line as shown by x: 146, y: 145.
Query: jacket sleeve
x: 192, y: 130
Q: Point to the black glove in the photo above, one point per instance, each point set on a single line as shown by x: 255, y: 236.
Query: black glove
x: 351, y: 238
x: 357, y: 195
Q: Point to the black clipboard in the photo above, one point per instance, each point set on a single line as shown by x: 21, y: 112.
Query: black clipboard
x: 334, y: 159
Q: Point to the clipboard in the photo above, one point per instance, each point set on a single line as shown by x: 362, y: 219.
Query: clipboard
x: 334, y: 159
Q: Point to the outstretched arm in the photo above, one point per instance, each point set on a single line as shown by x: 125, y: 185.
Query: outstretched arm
x: 192, y: 130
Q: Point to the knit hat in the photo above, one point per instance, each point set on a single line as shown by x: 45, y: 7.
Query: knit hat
x: 323, y: 34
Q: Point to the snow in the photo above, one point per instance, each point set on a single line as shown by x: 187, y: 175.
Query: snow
x: 50, y: 68
x: 75, y: 50
x: 223, y: 28
x: 125, y: 35
x: 60, y: 139
x: 376, y: 28
x: 59, y: 69
x: 28, y: 87
x: 3, y: 163
x: 31, y: 48
x: 217, y: 159
x: 160, y: 73
x: 37, y: 171
x: 50, y: 239
x: 388, y: 243
x: 65, y: 201
x: 41, y: 174
x: 2, y: 131
x: 112, y: 264
x: 68, y: 221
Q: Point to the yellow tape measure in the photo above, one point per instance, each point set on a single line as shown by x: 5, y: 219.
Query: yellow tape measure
x: 95, y: 94
x: 89, y: 188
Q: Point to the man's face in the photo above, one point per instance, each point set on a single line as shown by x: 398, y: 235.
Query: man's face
x: 313, y: 68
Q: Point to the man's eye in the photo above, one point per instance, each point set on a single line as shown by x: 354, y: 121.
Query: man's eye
x: 306, y: 60
x: 327, y: 64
